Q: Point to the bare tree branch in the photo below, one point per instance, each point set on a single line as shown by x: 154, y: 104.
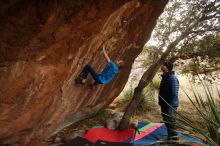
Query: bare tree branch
x: 186, y: 56
x: 206, y: 30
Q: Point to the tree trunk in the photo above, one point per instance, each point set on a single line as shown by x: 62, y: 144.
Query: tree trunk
x: 150, y: 73
x: 145, y: 80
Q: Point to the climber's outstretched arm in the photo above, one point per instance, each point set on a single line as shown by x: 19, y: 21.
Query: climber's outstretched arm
x: 105, y: 54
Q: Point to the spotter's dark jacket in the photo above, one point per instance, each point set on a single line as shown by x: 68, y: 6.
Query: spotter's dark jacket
x: 169, y: 88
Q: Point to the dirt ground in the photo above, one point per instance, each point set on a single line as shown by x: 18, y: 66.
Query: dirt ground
x: 152, y: 115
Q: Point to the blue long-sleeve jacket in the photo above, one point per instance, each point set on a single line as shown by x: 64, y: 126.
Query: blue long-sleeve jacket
x: 108, y: 73
x: 169, y: 88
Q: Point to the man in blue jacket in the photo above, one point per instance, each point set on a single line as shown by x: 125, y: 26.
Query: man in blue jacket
x: 105, y: 76
x: 168, y: 99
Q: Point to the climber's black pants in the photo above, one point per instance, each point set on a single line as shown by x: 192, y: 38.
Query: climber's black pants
x: 88, y: 69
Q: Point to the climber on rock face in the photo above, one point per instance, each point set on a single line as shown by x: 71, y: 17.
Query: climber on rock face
x: 105, y: 76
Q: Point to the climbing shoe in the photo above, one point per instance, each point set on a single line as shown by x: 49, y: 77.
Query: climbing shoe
x: 80, y: 81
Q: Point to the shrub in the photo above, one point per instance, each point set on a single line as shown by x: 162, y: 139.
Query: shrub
x: 146, y: 101
x: 208, y: 107
x: 156, y: 83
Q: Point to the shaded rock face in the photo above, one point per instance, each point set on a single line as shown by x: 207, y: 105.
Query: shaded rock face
x: 44, y: 45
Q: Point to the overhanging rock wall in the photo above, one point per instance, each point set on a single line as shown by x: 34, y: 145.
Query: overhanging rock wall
x: 43, y: 47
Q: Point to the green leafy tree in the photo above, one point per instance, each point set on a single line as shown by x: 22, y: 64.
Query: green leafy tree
x: 203, y: 56
x: 201, y: 47
x: 181, y: 21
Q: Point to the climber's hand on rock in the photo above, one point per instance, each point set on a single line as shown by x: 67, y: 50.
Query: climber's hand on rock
x: 105, y: 54
x: 103, y: 48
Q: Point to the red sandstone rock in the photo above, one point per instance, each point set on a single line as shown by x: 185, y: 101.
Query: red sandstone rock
x: 43, y: 47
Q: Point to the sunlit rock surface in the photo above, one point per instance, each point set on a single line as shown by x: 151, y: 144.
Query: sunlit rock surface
x: 43, y: 47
